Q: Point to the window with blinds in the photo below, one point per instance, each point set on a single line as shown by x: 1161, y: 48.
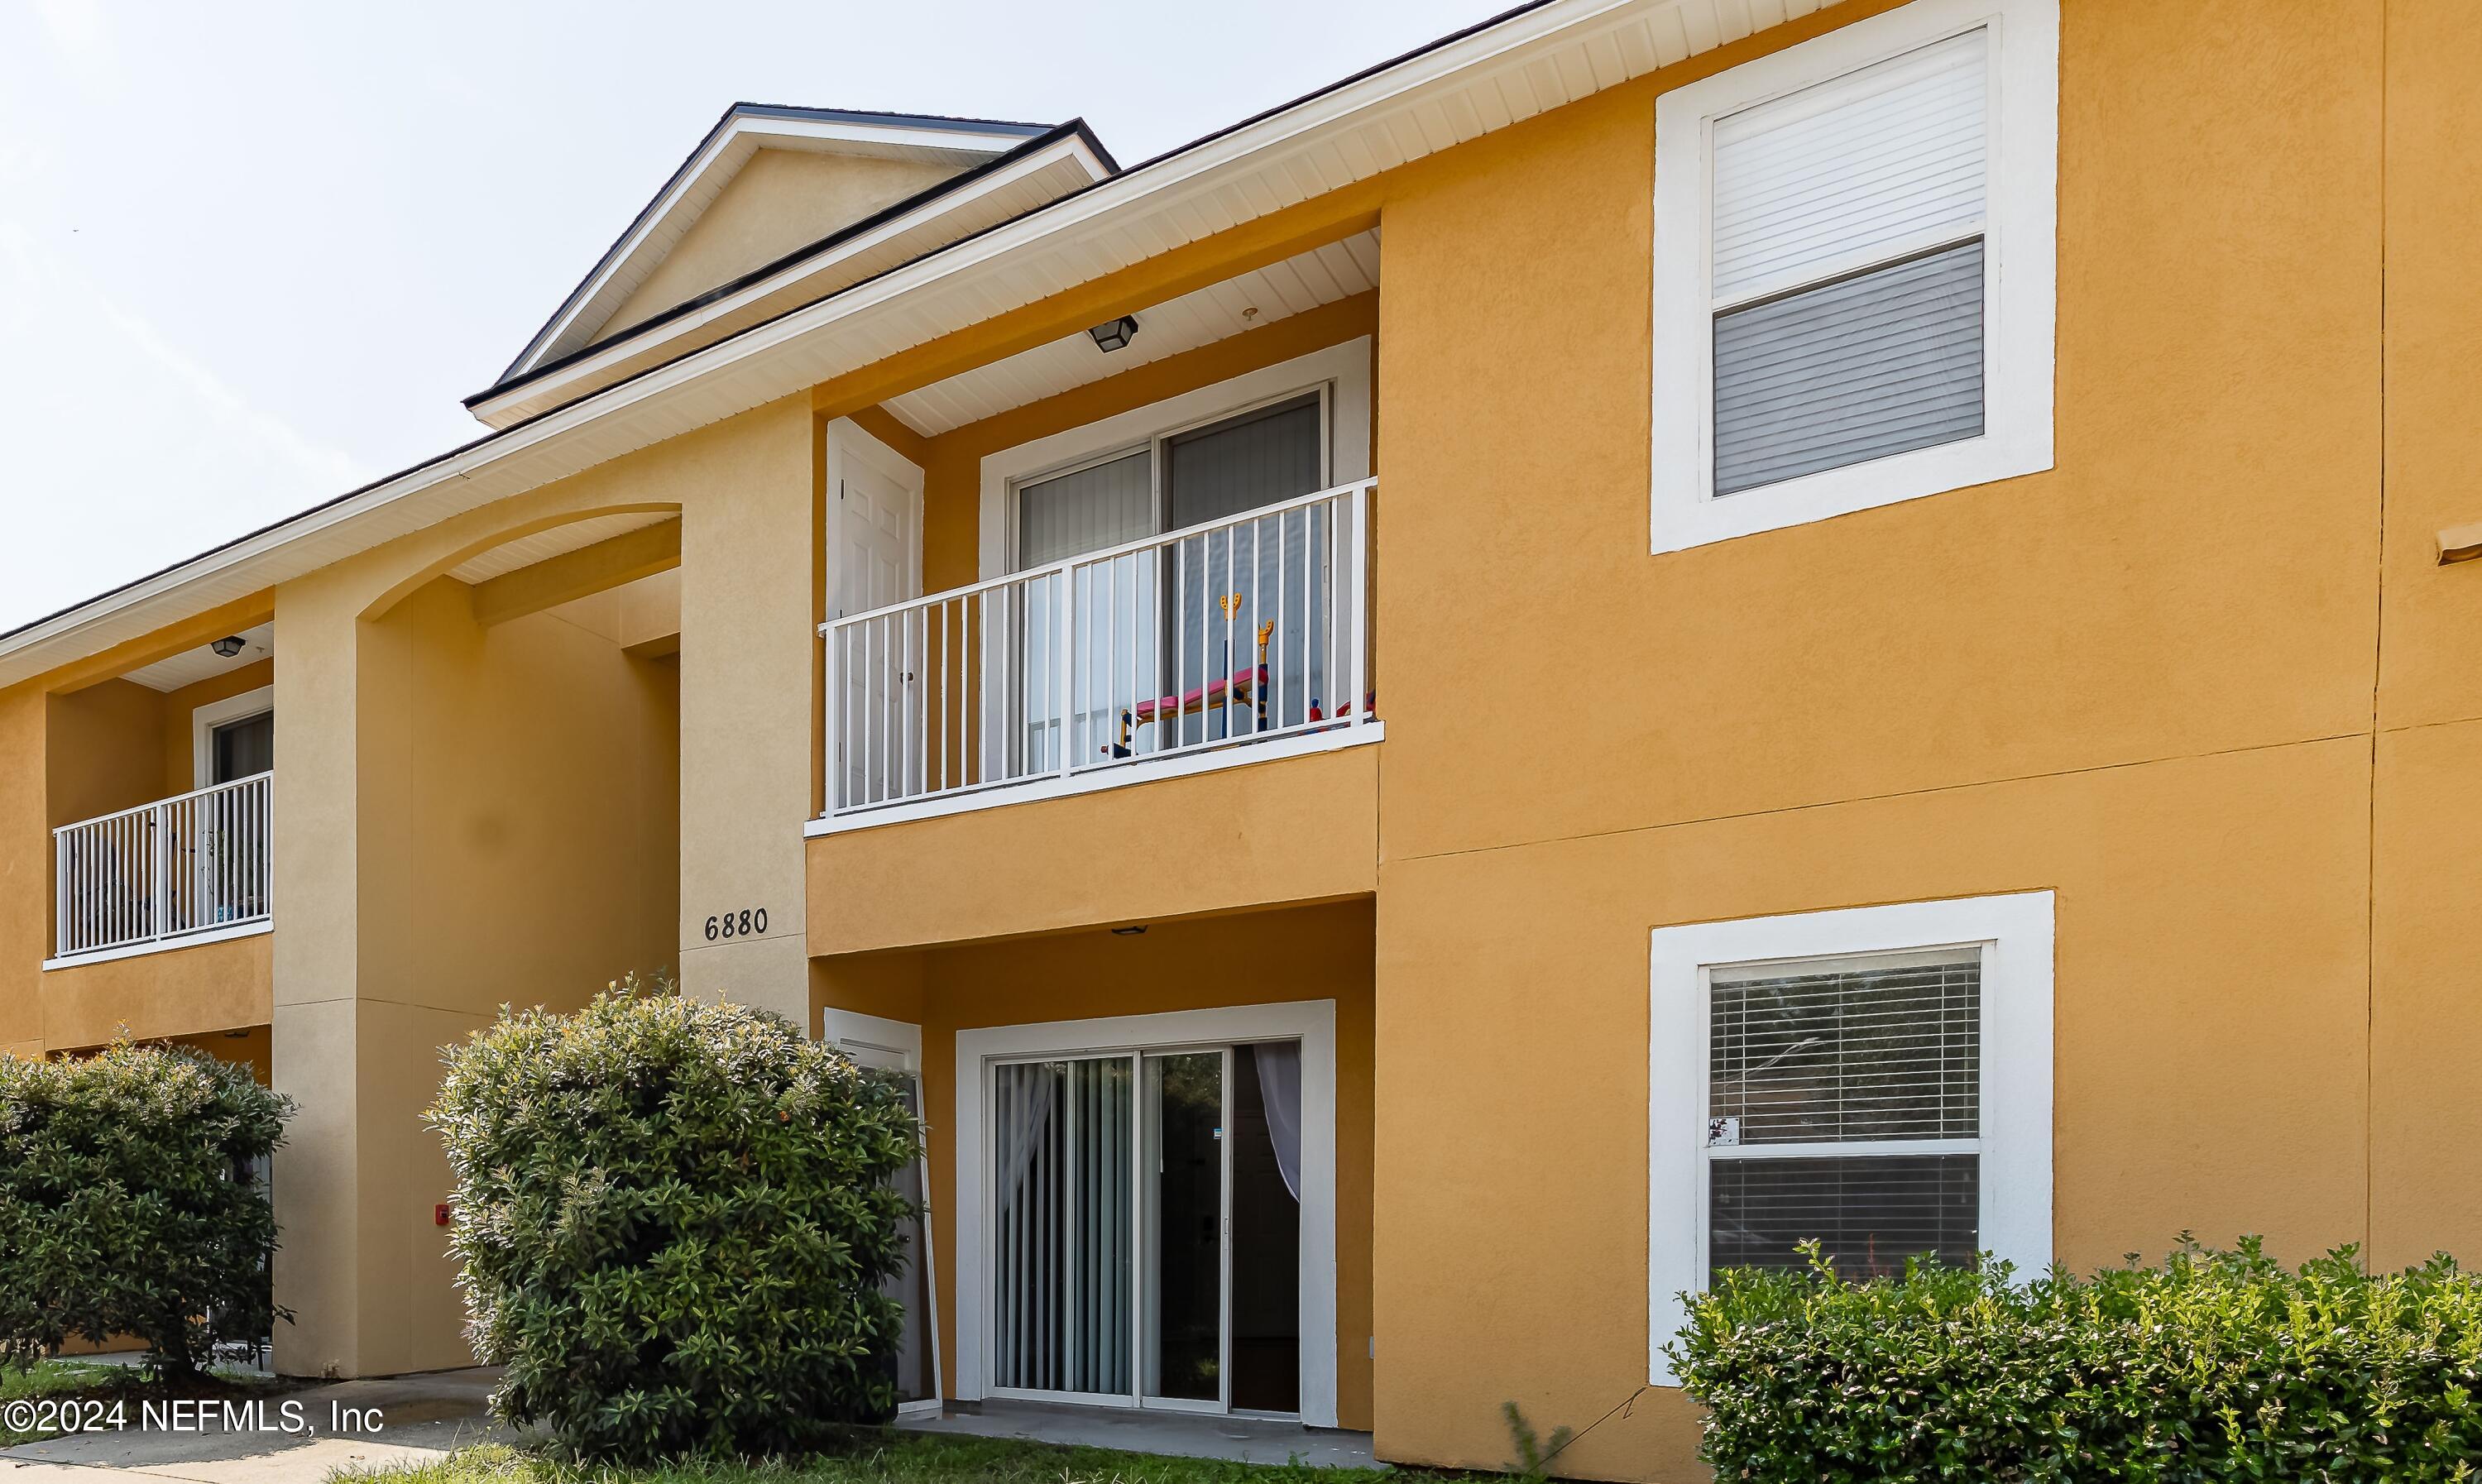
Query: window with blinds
x: 1844, y: 1105
x: 1847, y: 257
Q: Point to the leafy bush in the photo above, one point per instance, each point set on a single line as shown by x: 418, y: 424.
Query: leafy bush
x: 2212, y: 1365
x: 126, y: 1206
x: 674, y: 1219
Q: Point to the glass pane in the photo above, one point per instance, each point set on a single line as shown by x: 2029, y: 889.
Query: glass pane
x: 1269, y: 574
x: 915, y: 1379
x: 1871, y: 1212
x: 1184, y: 1170
x: 1060, y: 1169
x: 243, y: 749
x: 1852, y: 370
x: 1266, y: 1137
x: 1883, y: 1047
x: 1088, y: 509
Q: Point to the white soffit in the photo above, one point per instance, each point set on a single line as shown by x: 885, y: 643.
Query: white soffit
x: 558, y: 541
x: 203, y: 663
x: 1219, y: 311
x: 742, y: 133
x: 1479, y: 81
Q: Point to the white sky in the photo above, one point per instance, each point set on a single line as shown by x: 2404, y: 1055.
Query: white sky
x: 252, y: 254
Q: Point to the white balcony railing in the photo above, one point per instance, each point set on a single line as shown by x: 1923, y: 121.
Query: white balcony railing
x: 163, y: 871
x: 1238, y: 631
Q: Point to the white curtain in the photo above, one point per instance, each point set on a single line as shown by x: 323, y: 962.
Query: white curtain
x: 1280, y: 1088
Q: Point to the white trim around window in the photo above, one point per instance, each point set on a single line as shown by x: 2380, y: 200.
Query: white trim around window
x: 1342, y: 371
x: 205, y: 719
x: 2018, y: 232
x: 1310, y: 1022
x: 2014, y: 932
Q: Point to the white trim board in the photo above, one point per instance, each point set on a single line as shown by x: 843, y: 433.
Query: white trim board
x: 2019, y: 293
x: 1310, y: 1022
x: 1345, y: 369
x: 2014, y: 933
x: 205, y: 719
x: 1149, y: 770
x: 164, y: 944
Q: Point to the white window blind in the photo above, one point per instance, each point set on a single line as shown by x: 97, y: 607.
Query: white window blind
x: 1846, y: 266
x: 1870, y: 166
x: 1844, y: 1105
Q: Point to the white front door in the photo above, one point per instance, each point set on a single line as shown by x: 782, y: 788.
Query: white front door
x: 874, y: 535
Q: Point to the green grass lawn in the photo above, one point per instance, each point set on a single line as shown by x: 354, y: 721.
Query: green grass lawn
x: 889, y: 1458
x: 52, y: 1378
x: 104, y: 1381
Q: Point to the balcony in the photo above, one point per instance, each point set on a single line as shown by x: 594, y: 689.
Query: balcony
x: 1239, y: 640
x: 180, y: 871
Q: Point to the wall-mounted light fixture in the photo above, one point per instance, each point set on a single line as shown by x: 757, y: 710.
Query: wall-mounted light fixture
x: 229, y: 646
x: 2460, y: 544
x: 1111, y: 334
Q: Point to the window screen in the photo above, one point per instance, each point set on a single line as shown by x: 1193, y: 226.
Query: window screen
x: 1810, y: 1067
x: 1848, y: 268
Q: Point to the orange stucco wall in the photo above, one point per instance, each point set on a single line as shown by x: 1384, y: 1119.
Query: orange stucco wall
x: 1320, y: 952
x: 2203, y: 681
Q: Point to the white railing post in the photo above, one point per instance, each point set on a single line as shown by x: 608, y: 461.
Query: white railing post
x: 832, y: 739
x: 60, y: 893
x: 1064, y: 667
x: 1356, y: 606
x: 158, y: 904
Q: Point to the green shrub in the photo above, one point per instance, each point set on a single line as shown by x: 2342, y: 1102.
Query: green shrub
x: 2212, y: 1365
x: 126, y: 1206
x: 674, y: 1219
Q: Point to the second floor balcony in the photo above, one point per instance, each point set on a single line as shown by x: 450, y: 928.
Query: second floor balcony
x: 1221, y: 642
x: 178, y: 871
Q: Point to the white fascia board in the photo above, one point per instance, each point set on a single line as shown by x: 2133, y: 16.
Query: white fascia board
x: 1578, y: 44
x: 534, y: 396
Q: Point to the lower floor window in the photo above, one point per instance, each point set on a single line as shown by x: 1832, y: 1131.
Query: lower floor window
x: 1876, y: 1080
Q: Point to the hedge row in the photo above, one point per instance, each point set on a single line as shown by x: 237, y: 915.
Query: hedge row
x: 2211, y: 1366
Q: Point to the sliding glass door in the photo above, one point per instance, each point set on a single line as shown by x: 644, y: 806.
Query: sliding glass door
x: 1112, y: 1201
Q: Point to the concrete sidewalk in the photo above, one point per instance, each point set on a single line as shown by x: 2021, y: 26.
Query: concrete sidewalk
x: 418, y: 1419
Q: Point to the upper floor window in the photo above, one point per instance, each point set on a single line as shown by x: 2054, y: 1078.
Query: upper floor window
x: 1854, y: 270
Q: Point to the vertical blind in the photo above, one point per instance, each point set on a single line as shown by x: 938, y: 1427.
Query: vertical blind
x: 1848, y: 267
x: 1845, y: 1053
x: 1062, y: 1159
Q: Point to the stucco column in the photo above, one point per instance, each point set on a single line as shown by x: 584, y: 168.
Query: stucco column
x: 312, y: 1053
x: 749, y: 560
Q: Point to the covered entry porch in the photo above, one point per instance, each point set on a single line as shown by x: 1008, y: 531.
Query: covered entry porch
x: 1149, y: 1166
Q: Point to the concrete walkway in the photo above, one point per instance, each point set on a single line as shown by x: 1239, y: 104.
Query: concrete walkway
x: 417, y: 1420
x: 1180, y: 1434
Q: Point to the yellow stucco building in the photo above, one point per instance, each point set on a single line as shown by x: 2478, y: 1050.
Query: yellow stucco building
x: 1662, y: 627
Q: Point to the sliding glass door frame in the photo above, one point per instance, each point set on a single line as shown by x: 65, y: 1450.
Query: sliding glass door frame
x: 1310, y: 1024
x: 1143, y: 1231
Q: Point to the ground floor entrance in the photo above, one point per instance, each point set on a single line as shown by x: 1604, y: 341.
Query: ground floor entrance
x: 1148, y: 1205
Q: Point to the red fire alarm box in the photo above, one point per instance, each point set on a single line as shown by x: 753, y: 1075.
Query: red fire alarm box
x: 439, y: 1214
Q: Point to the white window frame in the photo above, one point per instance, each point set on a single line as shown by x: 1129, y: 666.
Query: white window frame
x: 205, y: 719
x: 1309, y: 1022
x: 2014, y: 932
x: 2020, y: 274
x: 1342, y: 372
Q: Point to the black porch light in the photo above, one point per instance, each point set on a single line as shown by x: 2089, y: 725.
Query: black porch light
x: 1111, y: 334
x: 229, y: 646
